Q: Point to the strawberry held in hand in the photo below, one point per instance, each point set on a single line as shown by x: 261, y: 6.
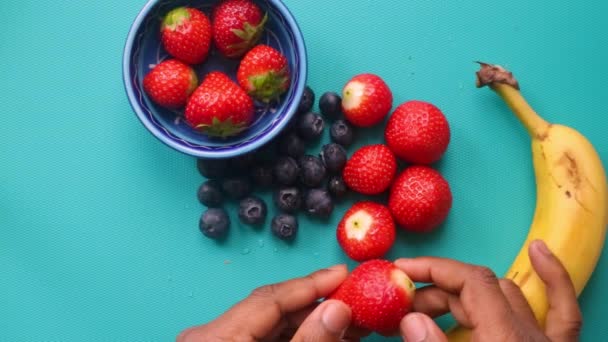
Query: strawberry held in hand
x: 264, y: 73
x: 379, y: 295
x: 366, y: 231
x: 420, y: 199
x: 366, y: 100
x: 237, y: 26
x: 186, y: 34
x: 418, y: 132
x: 370, y: 170
x: 219, y: 107
x: 170, y: 83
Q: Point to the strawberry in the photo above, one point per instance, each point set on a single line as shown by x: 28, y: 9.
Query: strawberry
x: 219, y: 107
x: 370, y: 170
x: 366, y: 100
x: 237, y: 26
x: 264, y: 73
x: 367, y: 231
x: 420, y: 199
x: 186, y: 34
x: 418, y: 132
x: 170, y: 83
x: 379, y: 295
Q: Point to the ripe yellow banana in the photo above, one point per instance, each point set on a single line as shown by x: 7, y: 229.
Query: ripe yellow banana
x: 572, y: 198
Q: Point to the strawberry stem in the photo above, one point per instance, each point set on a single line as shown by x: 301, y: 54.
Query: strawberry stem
x: 175, y: 17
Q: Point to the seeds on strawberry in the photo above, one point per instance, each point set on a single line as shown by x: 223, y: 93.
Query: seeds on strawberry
x: 420, y: 199
x: 237, y: 26
x: 219, y: 107
x: 418, y: 132
x: 186, y: 34
x: 367, y: 231
x: 264, y: 73
x: 379, y: 295
x: 366, y: 100
x: 370, y: 170
x: 170, y: 83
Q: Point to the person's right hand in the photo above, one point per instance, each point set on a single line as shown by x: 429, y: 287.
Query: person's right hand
x: 494, y: 309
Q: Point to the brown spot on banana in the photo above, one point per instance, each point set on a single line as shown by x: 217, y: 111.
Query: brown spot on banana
x: 568, y: 161
x: 520, y: 278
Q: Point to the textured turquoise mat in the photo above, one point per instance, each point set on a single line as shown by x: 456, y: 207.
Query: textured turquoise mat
x: 98, y: 220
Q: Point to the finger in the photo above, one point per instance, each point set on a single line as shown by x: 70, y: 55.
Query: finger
x: 418, y: 327
x: 327, y: 323
x: 477, y: 287
x: 434, y: 302
x: 518, y: 302
x: 294, y: 320
x: 298, y: 293
x: 564, y: 318
x: 270, y: 304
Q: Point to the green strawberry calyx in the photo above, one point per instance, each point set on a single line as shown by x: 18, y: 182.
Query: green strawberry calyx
x: 222, y: 129
x: 193, y: 83
x: 268, y: 86
x: 250, y: 35
x: 175, y: 18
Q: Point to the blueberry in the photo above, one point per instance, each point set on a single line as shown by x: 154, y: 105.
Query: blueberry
x: 308, y: 100
x: 210, y: 194
x: 214, y: 223
x: 212, y: 168
x: 292, y: 145
x: 236, y: 187
x: 310, y: 126
x: 286, y: 170
x: 334, y: 156
x: 252, y: 210
x: 318, y: 203
x: 288, y: 200
x: 330, y: 105
x: 312, y: 171
x: 262, y: 175
x: 285, y: 227
x: 337, y: 187
x: 242, y: 163
x: 341, y: 133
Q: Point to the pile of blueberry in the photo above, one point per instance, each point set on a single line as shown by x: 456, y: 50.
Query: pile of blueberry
x: 299, y: 181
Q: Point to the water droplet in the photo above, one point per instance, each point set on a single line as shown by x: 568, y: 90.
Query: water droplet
x: 191, y: 294
x: 261, y: 243
x: 245, y: 251
x: 412, y: 74
x: 227, y: 262
x: 276, y: 250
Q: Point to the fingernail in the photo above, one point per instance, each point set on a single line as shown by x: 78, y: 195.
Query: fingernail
x: 542, y: 247
x: 334, y: 319
x: 336, y: 267
x: 415, y: 330
x: 400, y: 262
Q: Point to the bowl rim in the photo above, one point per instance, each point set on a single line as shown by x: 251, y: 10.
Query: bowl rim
x: 301, y: 51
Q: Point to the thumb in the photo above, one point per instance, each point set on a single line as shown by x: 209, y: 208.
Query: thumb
x: 327, y: 323
x: 418, y: 327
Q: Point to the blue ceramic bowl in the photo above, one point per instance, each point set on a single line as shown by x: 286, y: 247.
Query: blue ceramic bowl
x: 143, y: 50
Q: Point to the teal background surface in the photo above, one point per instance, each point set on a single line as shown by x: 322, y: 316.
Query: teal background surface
x: 99, y: 235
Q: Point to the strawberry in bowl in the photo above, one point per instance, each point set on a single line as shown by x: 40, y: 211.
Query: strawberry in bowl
x: 210, y: 37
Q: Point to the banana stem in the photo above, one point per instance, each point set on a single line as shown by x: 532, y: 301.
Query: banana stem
x: 505, y: 85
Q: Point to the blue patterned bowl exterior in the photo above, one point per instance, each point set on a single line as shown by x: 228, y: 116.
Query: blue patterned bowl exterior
x: 143, y: 50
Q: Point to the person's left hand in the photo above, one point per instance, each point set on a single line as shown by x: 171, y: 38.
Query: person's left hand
x: 287, y: 311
